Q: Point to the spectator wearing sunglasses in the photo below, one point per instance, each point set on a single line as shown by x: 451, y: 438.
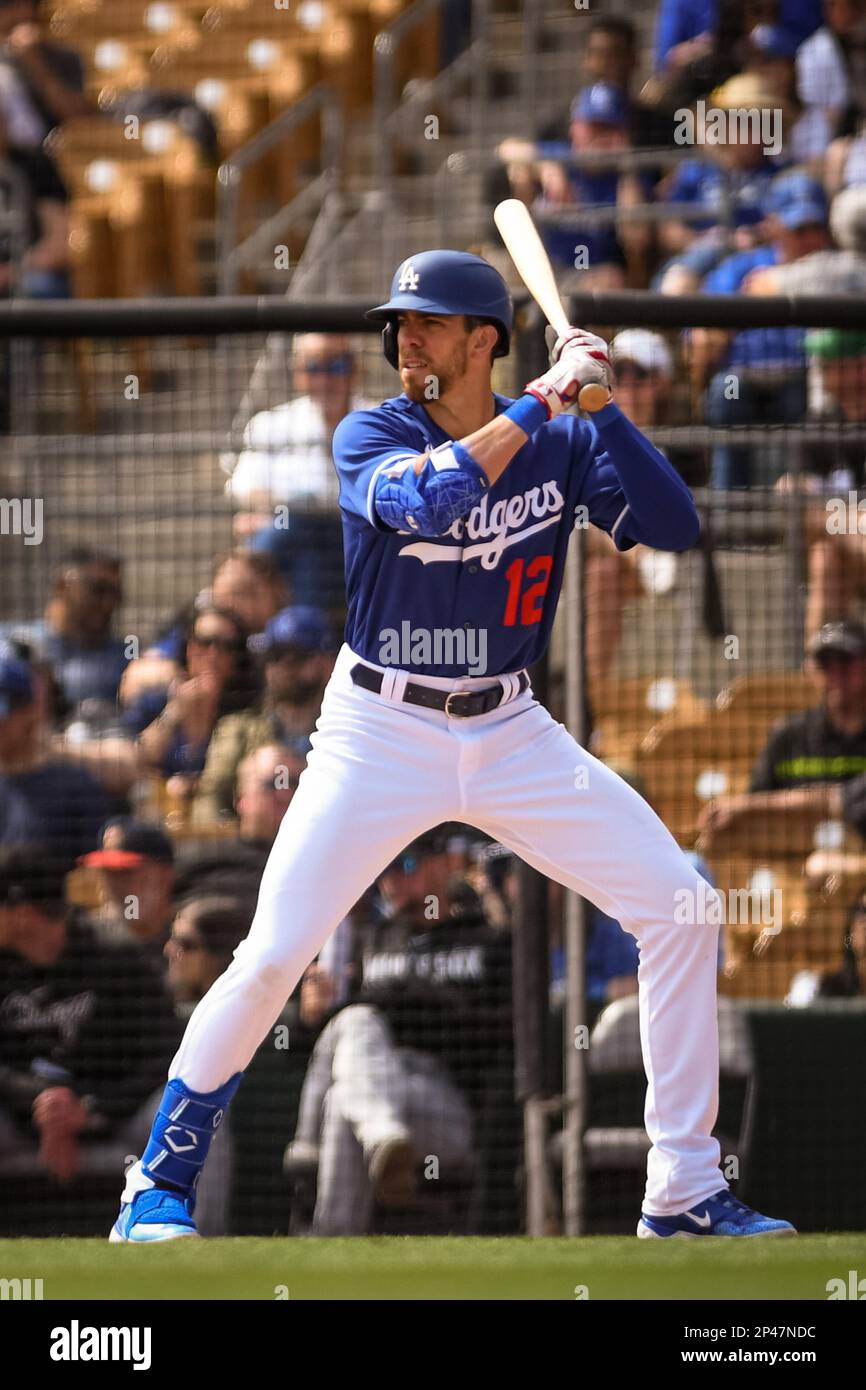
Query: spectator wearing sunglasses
x: 267, y: 781
x: 297, y: 653
x: 75, y: 635
x: 175, y: 722
x: 814, y: 760
x: 286, y: 462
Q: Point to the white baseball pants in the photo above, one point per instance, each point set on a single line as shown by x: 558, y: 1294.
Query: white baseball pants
x: 380, y: 772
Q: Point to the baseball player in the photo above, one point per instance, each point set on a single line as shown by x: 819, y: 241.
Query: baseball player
x: 457, y: 505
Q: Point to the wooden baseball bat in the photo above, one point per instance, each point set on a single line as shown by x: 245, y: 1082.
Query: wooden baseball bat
x: 526, y: 249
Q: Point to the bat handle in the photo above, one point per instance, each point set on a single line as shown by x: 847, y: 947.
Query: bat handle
x: 594, y: 396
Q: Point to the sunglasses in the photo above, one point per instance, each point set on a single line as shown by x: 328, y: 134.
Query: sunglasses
x: 336, y: 366
x: 219, y: 644
x: 185, y: 945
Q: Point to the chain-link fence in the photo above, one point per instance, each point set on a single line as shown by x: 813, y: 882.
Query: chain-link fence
x: 167, y: 492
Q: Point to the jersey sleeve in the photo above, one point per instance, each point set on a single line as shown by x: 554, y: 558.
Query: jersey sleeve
x: 631, y: 490
x: 605, y: 502
x: 365, y: 444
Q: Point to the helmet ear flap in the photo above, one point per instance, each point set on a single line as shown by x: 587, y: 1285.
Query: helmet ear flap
x: 389, y: 343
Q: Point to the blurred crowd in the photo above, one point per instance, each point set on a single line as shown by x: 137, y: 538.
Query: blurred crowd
x: 737, y: 167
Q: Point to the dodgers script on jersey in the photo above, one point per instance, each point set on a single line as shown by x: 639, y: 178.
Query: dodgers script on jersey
x: 501, y: 567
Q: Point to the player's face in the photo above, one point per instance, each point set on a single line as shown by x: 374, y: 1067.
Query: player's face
x: 433, y: 353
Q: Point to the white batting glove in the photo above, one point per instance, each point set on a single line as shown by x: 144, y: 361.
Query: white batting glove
x: 588, y: 352
x: 577, y: 340
x: 557, y: 389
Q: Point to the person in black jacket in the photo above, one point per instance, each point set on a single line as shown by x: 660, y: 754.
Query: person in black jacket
x: 413, y: 1080
x: 86, y: 1029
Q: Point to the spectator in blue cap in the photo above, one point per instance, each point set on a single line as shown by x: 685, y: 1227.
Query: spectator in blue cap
x: 297, y: 654
x: 760, y: 373
x: 42, y: 798
x: 601, y: 251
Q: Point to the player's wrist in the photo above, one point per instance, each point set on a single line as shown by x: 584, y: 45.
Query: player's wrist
x: 530, y: 411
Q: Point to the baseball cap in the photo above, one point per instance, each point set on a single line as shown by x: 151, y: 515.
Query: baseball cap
x: 32, y: 874
x: 796, y: 199
x: 774, y: 41
x: 836, y: 342
x: 302, y: 627
x: 127, y: 843
x: 648, y: 350
x: 16, y: 682
x: 847, y: 638
x: 604, y: 102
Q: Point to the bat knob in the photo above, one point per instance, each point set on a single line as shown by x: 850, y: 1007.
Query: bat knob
x: 594, y: 396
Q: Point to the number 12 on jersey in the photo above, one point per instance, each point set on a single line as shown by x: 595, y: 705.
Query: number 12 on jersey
x: 528, y: 602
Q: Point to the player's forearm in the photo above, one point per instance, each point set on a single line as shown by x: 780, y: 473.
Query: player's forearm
x: 662, y: 512
x: 494, y: 446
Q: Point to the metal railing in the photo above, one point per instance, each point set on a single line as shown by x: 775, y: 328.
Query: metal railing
x: 581, y: 216
x: 388, y: 113
x: 233, y: 257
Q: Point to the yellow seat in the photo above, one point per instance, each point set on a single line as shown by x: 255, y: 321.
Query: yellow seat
x: 684, y: 765
x: 625, y: 711
x: 769, y: 695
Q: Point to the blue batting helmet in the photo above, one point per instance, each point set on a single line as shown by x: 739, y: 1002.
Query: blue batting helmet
x: 446, y: 282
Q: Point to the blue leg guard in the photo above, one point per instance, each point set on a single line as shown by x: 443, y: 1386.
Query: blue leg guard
x: 184, y: 1126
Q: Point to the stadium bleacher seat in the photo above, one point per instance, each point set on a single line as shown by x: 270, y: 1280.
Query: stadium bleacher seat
x: 625, y: 710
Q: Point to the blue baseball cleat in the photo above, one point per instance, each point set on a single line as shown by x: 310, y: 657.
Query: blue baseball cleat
x: 155, y: 1214
x: 721, y: 1215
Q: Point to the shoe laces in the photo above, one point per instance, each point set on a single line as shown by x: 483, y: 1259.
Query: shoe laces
x: 738, y: 1208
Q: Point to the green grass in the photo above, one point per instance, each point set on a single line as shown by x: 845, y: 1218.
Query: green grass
x: 611, y: 1267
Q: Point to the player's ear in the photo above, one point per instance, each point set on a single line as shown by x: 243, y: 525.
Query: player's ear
x: 485, y: 336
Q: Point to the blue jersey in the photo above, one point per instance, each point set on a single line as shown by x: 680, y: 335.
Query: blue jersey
x: 704, y: 184
x: 590, y: 188
x: 755, y: 347
x: 498, y: 568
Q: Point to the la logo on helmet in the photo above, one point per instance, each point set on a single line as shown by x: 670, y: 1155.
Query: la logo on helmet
x: 409, y: 278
